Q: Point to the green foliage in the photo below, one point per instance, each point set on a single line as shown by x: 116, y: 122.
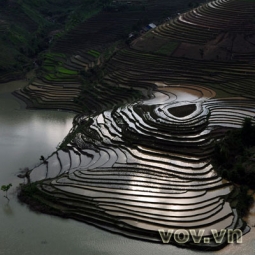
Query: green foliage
x: 94, y: 53
x: 66, y: 71
x: 80, y: 13
x: 5, y: 189
x: 244, y: 201
x: 168, y: 48
x: 30, y: 189
x: 28, y: 24
x: 33, y: 14
x: 248, y: 132
x: 234, y: 155
x: 233, y: 160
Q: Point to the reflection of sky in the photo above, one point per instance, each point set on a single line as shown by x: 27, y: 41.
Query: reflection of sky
x: 21, y: 130
x: 149, y: 191
x: 14, y: 216
x: 50, y: 128
x: 22, y: 125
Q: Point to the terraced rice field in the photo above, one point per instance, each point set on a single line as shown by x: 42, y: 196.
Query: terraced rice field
x: 131, y: 67
x: 208, y: 20
x: 145, y: 165
x: 222, y: 29
x: 89, y: 45
x: 140, y: 168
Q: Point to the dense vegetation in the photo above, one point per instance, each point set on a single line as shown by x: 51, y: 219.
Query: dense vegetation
x: 27, y: 28
x: 30, y: 27
x: 234, y: 157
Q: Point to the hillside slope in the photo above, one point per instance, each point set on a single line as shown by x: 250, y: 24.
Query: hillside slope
x: 71, y: 74
x: 138, y: 159
x: 27, y: 28
x: 217, y: 31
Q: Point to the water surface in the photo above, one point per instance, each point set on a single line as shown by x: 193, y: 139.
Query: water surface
x: 25, y: 135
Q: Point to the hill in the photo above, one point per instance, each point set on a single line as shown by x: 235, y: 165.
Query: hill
x: 27, y: 28
x: 151, y: 104
x: 71, y: 73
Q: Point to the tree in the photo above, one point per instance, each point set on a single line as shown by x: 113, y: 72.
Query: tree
x: 247, y: 132
x: 5, y: 189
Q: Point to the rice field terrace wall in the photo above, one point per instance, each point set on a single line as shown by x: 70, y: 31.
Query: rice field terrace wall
x: 146, y: 166
x: 131, y: 67
x: 57, y: 87
x: 218, y: 30
x: 138, y: 158
x: 110, y: 26
x: 62, y: 79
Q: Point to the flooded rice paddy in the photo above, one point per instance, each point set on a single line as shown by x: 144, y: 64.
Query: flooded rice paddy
x: 26, y: 134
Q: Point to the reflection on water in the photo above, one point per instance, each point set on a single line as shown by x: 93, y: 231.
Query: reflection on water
x: 7, y: 209
x: 24, y: 136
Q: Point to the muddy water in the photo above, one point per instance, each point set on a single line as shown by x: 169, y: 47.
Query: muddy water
x: 24, y: 136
